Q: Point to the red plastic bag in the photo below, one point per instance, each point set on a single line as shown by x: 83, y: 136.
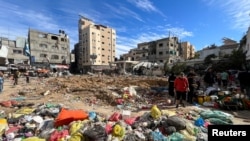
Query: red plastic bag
x: 108, y: 128
x: 130, y: 121
x: 67, y: 116
x: 115, y: 117
x: 6, y: 104
x: 58, y: 135
x: 119, y: 101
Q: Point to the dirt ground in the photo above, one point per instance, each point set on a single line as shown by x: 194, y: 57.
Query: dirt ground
x: 90, y: 93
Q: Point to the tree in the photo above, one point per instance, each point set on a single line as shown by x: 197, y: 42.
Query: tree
x: 166, y: 68
x: 238, y: 59
x: 196, y: 55
x: 178, y: 67
x: 208, y: 59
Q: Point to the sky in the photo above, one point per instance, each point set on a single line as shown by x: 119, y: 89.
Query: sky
x: 200, y: 22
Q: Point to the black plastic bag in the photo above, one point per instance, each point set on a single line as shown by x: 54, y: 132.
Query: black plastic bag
x: 95, y: 133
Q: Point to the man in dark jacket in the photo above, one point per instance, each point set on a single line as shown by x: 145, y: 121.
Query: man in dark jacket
x: 171, y: 79
x: 244, y: 78
x: 209, y: 78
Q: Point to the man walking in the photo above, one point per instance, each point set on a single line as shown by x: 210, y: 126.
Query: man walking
x: 181, y: 86
x: 16, y: 76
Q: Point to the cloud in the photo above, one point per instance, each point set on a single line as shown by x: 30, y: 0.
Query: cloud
x: 120, y: 11
x: 146, y: 5
x: 179, y: 32
x: 17, y: 20
x: 237, y: 11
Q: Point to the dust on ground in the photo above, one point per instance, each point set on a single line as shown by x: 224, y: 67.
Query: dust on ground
x: 84, y: 92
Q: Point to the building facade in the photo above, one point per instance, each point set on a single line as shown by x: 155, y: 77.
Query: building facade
x: 97, y: 45
x: 188, y: 50
x: 247, y: 47
x: 12, y: 51
x: 220, y: 51
x: 48, y: 49
x: 166, y: 50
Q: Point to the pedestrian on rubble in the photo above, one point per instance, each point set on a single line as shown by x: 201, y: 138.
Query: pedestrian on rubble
x: 27, y: 77
x: 1, y: 82
x: 224, y: 79
x: 192, y: 86
x: 16, y: 76
x: 181, y: 87
x: 171, y: 79
x: 209, y: 78
x: 218, y: 78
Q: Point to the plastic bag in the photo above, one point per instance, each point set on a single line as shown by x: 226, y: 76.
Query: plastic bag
x: 177, y: 122
x: 199, y: 122
x: 187, y: 136
x: 155, y: 112
x: 97, y: 132
x: 115, y: 117
x: 176, y: 137
x: 118, y: 131
x: 158, y: 136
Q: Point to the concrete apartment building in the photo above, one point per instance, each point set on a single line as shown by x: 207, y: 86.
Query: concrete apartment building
x: 166, y: 50
x: 48, y: 49
x: 247, y: 46
x: 188, y: 50
x: 97, y: 46
x: 225, y: 49
x: 12, y: 51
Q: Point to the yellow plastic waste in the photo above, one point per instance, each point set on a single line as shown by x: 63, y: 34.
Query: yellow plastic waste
x: 77, y: 137
x: 33, y: 139
x: 190, y: 128
x: 74, y: 127
x: 187, y: 136
x: 23, y: 111
x: 125, y: 96
x: 118, y: 131
x: 155, y: 112
x: 207, y: 99
x: 168, y: 113
x: 3, y: 125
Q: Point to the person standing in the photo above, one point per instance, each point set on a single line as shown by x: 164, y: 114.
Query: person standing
x: 181, y: 87
x: 218, y: 78
x: 1, y: 82
x: 224, y: 79
x: 192, y: 85
x: 27, y: 77
x: 209, y: 78
x: 171, y: 79
x: 16, y: 76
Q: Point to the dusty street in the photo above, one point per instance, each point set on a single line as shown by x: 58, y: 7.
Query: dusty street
x: 90, y: 93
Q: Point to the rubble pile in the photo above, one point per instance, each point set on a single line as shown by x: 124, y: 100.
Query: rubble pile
x: 52, y: 122
x: 104, y: 88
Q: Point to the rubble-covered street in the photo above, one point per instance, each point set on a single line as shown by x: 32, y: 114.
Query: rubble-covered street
x: 114, y: 108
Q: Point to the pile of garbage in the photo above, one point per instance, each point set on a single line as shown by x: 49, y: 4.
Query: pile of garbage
x: 53, y: 122
x: 230, y: 99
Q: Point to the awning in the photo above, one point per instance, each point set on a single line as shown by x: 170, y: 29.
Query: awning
x: 59, y: 66
x: 3, y: 68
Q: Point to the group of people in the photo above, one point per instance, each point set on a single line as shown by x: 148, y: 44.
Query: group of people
x: 223, y: 79
x: 183, y: 87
